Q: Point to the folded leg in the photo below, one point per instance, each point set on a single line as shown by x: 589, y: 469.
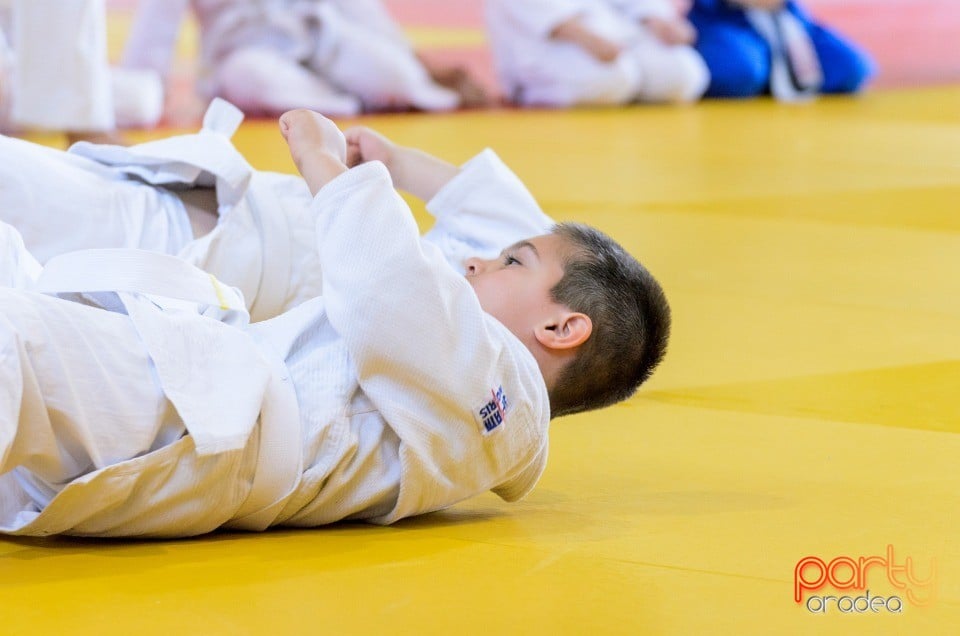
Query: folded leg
x: 845, y: 68
x: 260, y: 80
x: 382, y: 72
x: 737, y: 56
x: 668, y: 73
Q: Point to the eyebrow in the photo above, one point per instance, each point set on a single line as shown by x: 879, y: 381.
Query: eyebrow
x: 522, y: 244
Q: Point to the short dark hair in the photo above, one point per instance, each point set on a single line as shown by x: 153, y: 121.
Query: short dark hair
x: 630, y: 315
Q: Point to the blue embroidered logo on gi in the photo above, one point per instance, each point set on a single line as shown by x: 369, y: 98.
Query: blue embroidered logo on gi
x: 493, y: 413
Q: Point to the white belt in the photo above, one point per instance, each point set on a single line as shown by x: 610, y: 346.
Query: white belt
x: 278, y: 466
x: 279, y: 459
x: 137, y: 271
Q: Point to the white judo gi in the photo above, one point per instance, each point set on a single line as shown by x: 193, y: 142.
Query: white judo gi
x: 59, y: 77
x: 393, y: 394
x: 265, y: 240
x: 333, y: 56
x: 534, y: 69
x: 54, y: 72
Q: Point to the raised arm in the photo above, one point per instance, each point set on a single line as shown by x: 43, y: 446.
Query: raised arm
x: 480, y: 206
x: 426, y: 354
x: 412, y: 170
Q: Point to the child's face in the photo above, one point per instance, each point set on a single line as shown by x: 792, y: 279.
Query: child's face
x: 515, y: 287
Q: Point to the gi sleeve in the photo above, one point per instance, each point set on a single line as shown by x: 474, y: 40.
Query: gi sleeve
x: 483, y: 209
x: 538, y: 17
x: 464, y: 396
x: 641, y: 9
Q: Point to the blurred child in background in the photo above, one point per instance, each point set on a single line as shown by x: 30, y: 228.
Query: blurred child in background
x: 569, y: 52
x: 758, y: 46
x: 54, y: 73
x: 338, y: 57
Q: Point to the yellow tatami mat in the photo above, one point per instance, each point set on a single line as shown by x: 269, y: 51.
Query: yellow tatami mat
x: 808, y: 408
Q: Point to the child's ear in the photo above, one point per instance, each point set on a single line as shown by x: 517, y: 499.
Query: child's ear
x: 568, y: 330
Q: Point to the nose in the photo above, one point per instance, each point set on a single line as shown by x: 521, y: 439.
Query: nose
x: 473, y: 265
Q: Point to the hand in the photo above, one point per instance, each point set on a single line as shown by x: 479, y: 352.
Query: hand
x: 317, y: 146
x: 677, y: 31
x: 602, y: 49
x: 365, y: 144
x: 412, y: 170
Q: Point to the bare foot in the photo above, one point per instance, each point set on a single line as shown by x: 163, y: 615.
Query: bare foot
x: 317, y: 146
x: 458, y: 79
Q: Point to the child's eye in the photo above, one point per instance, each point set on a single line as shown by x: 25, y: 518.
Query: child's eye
x: 509, y: 260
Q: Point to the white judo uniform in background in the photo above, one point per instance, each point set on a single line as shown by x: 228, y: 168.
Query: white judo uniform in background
x: 534, y: 69
x: 57, y: 73
x: 445, y: 404
x: 265, y: 240
x: 54, y: 72
x: 333, y: 56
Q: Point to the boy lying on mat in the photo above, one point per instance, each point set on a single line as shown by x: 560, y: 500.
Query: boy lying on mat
x: 138, y: 401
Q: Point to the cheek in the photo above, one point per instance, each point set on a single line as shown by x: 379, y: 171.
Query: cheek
x: 493, y: 296
x: 489, y: 294
x: 479, y: 288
